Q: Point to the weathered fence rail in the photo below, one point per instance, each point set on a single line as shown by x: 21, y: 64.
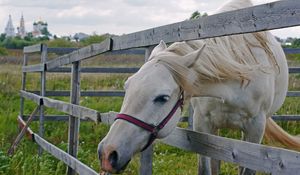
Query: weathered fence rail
x: 98, y: 70
x: 254, y: 19
x: 118, y: 93
x: 84, y: 93
x: 32, y: 49
x: 269, y: 16
x: 80, y: 54
x: 68, y: 108
x: 254, y: 156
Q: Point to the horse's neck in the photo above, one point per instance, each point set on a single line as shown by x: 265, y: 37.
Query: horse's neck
x: 234, y: 5
x: 221, y: 91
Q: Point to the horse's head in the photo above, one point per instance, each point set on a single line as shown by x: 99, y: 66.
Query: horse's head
x: 151, y: 109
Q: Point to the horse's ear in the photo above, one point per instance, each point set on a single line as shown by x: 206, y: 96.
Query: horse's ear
x: 160, y: 47
x: 191, y: 58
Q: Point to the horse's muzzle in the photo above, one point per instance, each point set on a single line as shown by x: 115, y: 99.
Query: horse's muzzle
x: 110, y: 159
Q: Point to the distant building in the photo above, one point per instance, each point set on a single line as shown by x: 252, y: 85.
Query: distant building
x: 21, y: 28
x: 80, y: 36
x: 286, y: 43
x: 9, y: 29
x: 39, y: 28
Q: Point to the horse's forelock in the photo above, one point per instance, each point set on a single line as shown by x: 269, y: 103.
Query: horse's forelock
x: 184, y: 76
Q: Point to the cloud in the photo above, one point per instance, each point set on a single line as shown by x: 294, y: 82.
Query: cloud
x: 80, y: 11
x: 114, y: 16
x: 143, y: 3
x: 53, y: 4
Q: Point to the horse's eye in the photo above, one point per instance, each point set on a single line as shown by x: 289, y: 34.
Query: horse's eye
x: 161, y: 99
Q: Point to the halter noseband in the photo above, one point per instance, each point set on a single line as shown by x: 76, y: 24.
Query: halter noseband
x: 150, y: 127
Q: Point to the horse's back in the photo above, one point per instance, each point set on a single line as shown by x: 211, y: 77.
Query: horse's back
x: 280, y: 76
x: 235, y: 4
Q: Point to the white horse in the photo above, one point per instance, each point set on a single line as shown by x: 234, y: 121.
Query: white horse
x: 233, y: 82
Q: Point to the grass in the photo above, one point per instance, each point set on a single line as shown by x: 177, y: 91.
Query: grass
x: 167, y: 160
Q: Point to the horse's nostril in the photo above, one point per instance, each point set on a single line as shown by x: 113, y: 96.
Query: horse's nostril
x: 99, y: 155
x: 113, y: 159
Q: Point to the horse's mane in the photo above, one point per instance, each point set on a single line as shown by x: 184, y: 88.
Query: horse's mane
x: 223, y: 58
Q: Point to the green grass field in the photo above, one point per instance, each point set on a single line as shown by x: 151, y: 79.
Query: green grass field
x: 167, y: 160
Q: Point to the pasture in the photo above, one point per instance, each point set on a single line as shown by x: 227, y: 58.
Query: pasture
x: 167, y: 160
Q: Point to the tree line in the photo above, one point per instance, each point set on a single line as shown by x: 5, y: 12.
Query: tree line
x: 19, y: 43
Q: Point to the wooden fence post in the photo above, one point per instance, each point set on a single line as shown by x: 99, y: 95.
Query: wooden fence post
x: 147, y: 155
x: 42, y: 93
x: 74, y: 122
x: 191, y: 114
x: 24, y: 74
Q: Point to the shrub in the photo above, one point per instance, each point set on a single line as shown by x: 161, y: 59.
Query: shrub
x: 3, y: 51
x: 15, y: 43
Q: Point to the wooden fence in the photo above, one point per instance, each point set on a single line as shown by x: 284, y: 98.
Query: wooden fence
x: 258, y: 157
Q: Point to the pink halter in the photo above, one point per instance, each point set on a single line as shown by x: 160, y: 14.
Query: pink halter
x: 149, y: 127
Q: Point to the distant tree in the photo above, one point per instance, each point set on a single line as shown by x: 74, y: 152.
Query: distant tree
x: 8, y: 43
x: 296, y: 43
x: 15, y: 43
x: 67, y: 38
x: 93, y: 39
x: 2, y: 37
x: 279, y: 39
x: 197, y: 14
x: 45, y: 32
x: 204, y: 14
x: 76, y: 38
x: 289, y: 39
x: 44, y: 38
x: 60, y: 42
x: 18, y: 38
x: 28, y: 38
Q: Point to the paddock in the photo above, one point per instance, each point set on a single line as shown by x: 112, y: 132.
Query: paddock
x: 269, y: 16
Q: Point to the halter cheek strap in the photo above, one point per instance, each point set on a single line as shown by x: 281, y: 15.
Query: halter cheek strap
x: 149, y: 127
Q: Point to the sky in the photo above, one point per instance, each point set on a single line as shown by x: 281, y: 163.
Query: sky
x: 67, y: 17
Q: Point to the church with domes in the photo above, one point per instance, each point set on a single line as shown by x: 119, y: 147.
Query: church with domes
x: 39, y: 28
x: 9, y: 29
